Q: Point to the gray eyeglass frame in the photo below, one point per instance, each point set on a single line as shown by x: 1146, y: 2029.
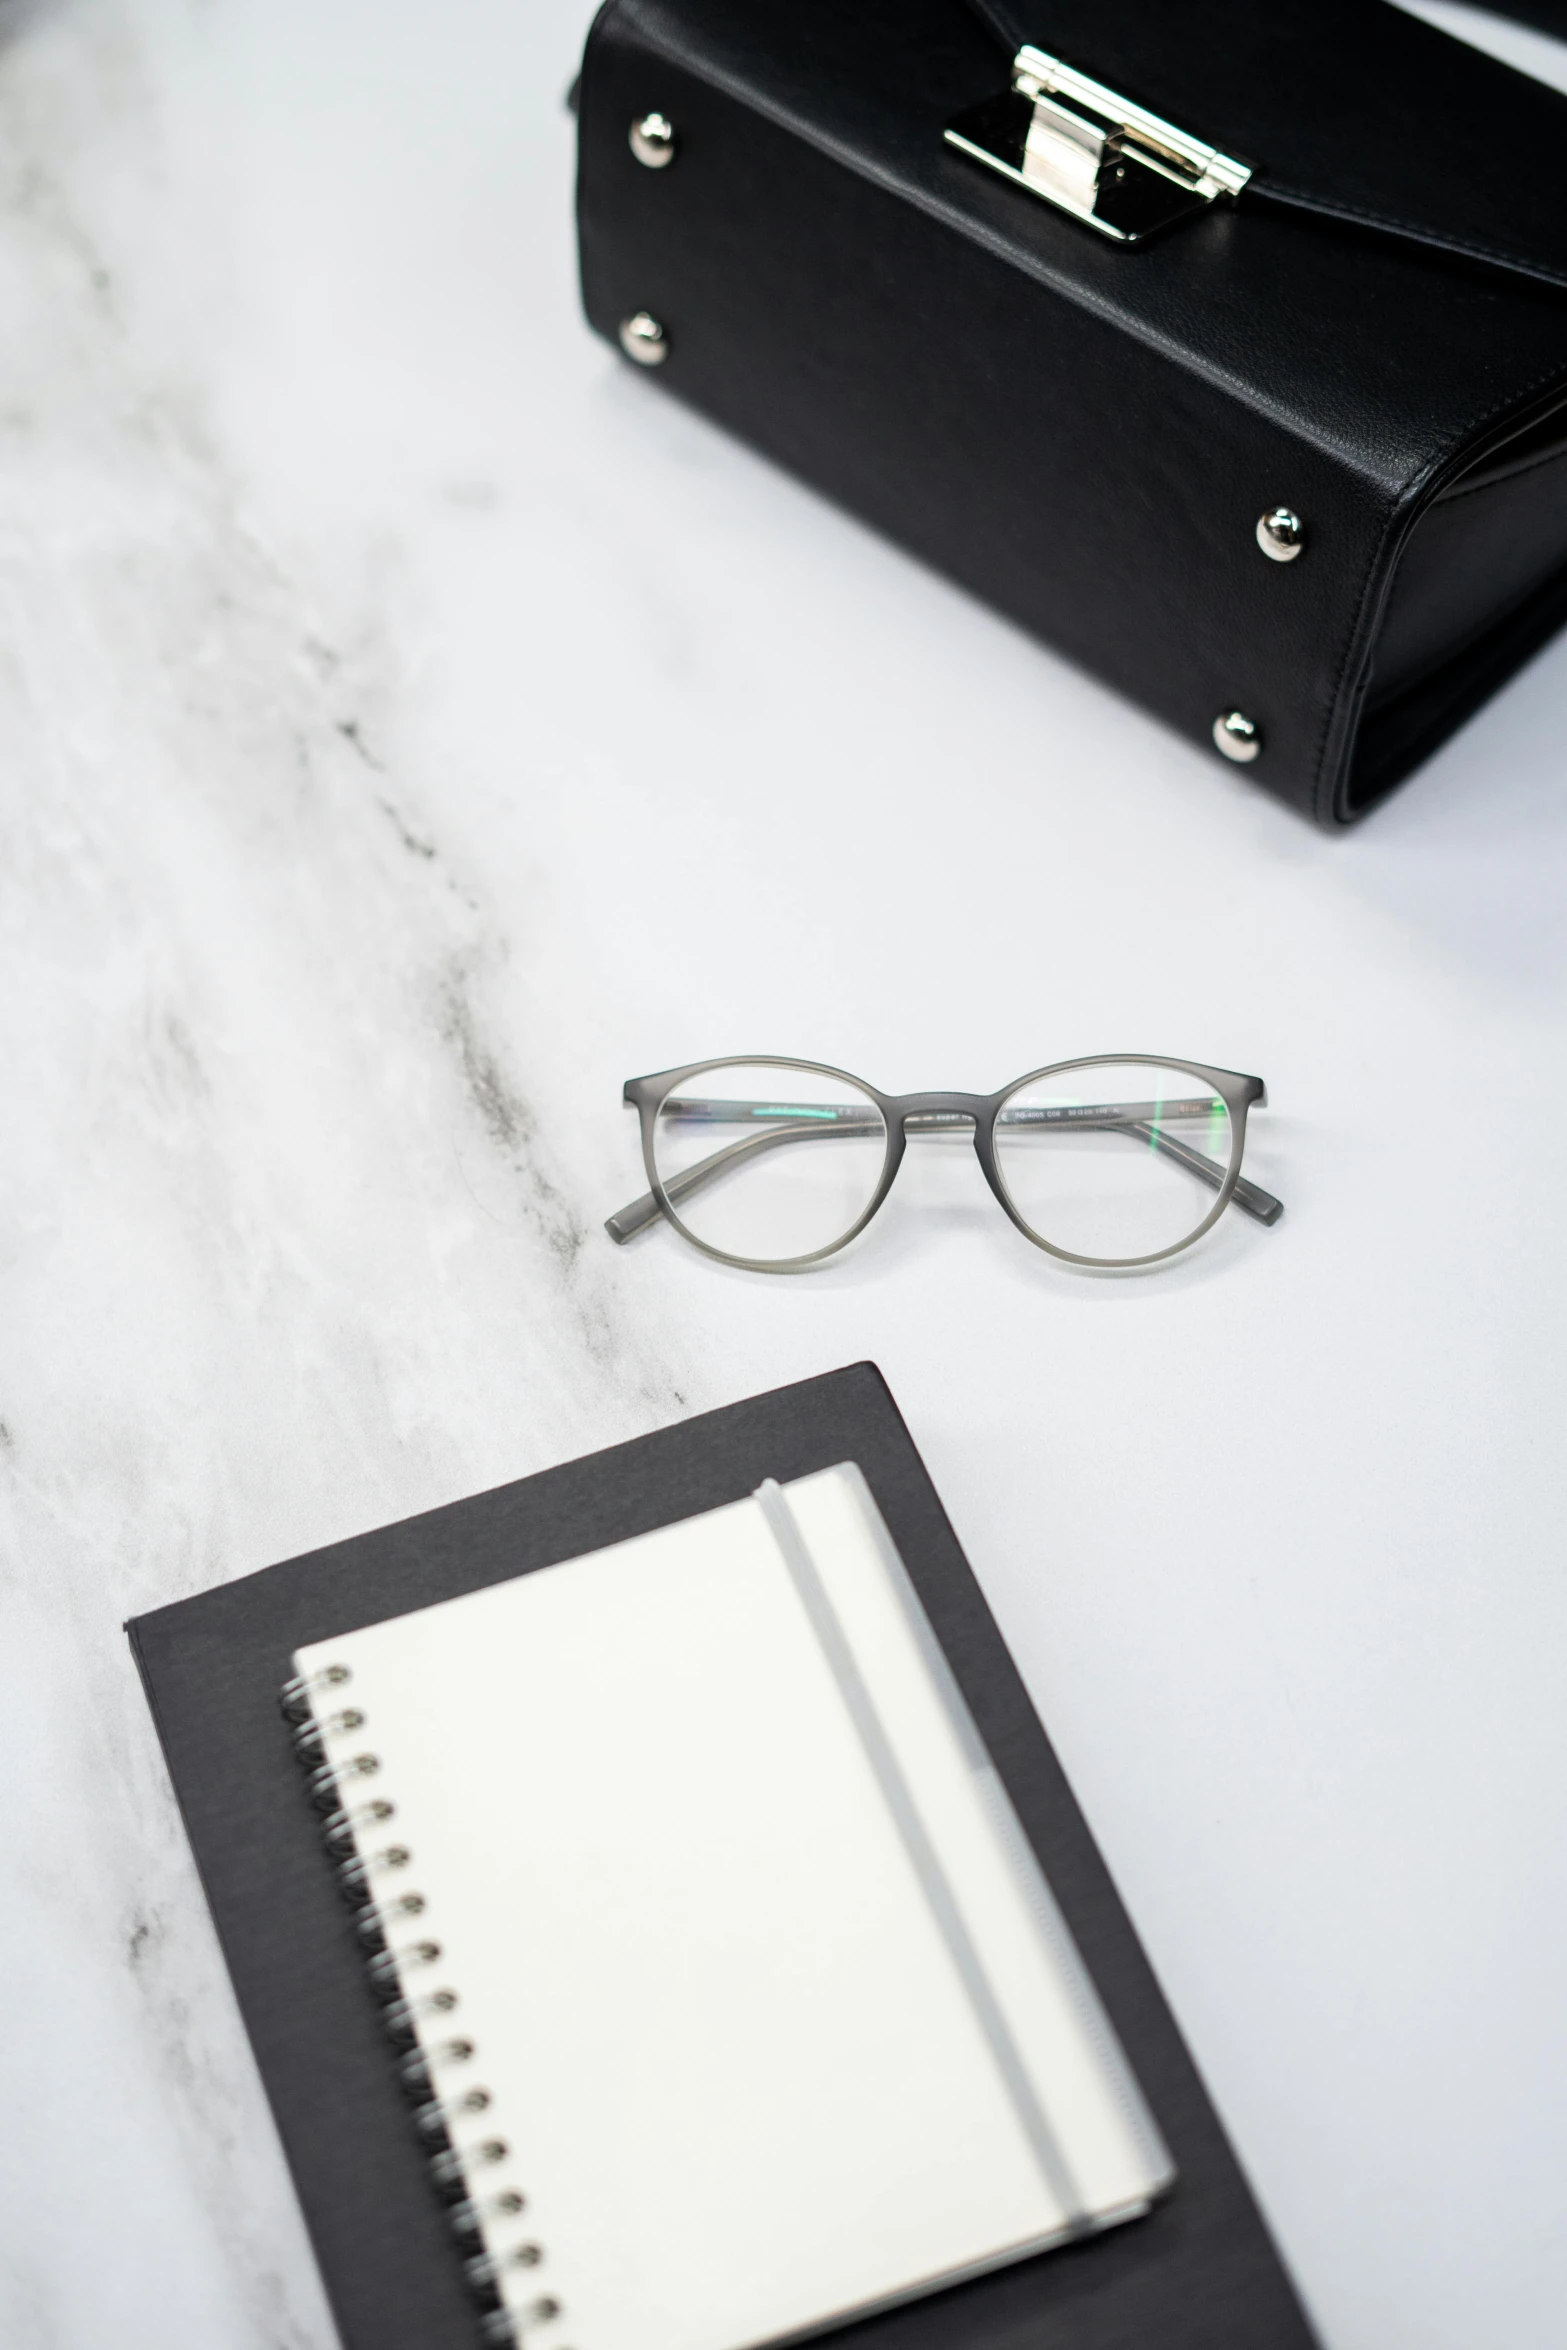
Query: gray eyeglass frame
x: 933, y: 1111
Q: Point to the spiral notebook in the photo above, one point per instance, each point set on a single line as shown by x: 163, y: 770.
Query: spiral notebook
x: 776, y: 1977
x: 741, y: 2003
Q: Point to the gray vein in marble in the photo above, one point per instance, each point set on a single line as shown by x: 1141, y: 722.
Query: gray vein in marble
x: 284, y: 1219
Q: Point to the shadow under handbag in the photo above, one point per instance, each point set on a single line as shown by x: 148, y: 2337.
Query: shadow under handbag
x: 1224, y: 346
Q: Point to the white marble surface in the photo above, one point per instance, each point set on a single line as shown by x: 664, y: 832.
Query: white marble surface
x: 411, y: 723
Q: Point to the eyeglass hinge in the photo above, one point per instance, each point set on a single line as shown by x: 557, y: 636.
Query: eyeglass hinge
x: 1089, y: 151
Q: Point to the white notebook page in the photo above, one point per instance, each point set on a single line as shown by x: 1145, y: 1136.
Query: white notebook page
x: 776, y: 2016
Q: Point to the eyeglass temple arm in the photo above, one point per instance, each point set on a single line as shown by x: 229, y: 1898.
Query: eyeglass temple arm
x: 628, y: 1221
x: 1257, y: 1203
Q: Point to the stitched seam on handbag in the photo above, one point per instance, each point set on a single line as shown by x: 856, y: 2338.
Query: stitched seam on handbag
x: 1554, y: 374
x: 1478, y: 489
x: 1438, y: 240
x: 1330, y: 708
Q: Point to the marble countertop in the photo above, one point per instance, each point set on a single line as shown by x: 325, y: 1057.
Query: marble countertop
x: 411, y: 723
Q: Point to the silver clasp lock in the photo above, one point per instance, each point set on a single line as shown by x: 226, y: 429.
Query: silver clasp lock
x: 1093, y: 153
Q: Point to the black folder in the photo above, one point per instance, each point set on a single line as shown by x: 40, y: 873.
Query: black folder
x: 1198, y: 2273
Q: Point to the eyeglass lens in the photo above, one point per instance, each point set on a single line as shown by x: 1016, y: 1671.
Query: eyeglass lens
x: 1116, y: 1160
x: 762, y: 1161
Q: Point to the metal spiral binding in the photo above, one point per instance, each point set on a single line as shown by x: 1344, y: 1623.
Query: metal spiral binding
x: 392, y: 1956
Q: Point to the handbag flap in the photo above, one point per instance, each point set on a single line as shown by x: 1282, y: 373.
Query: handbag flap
x: 1348, y: 108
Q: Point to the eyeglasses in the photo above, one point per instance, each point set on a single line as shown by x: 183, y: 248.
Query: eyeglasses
x: 1117, y: 1160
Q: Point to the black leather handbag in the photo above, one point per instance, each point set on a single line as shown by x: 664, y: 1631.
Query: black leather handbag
x: 1223, y: 345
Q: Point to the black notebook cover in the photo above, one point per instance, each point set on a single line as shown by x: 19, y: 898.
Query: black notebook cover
x: 1199, y: 2273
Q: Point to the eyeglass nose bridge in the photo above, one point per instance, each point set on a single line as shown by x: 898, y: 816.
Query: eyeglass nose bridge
x: 933, y: 1113
x: 970, y: 1114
